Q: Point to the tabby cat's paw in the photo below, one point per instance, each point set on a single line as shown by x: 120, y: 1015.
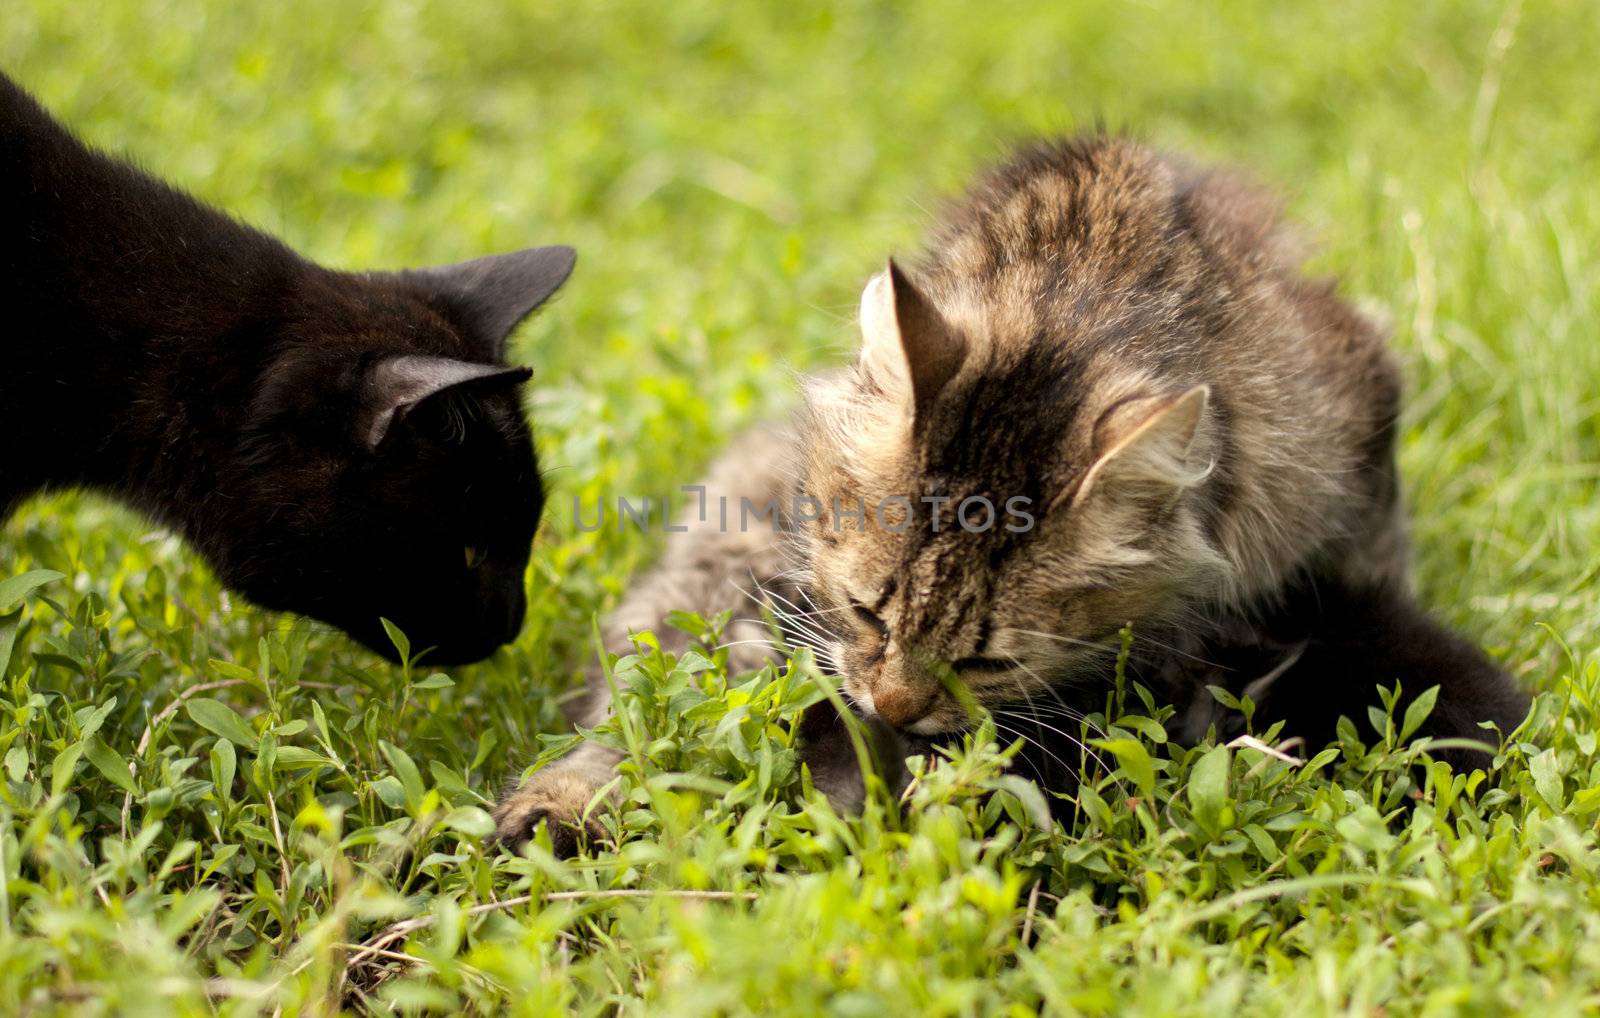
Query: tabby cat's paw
x: 560, y: 800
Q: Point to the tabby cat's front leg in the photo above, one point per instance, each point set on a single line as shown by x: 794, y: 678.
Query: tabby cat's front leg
x: 565, y: 795
x: 562, y: 796
x: 726, y: 560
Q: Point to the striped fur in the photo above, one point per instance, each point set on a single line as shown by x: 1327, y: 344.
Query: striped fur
x: 1121, y: 339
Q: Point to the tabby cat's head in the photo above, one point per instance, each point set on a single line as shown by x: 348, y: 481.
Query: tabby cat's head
x: 1085, y: 473
x: 384, y: 466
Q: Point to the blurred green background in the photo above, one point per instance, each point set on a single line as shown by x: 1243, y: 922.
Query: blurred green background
x: 731, y: 174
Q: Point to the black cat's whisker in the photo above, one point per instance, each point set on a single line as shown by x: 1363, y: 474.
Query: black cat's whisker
x: 1139, y: 637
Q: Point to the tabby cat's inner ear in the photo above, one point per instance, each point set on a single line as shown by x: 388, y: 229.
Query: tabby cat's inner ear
x: 907, y: 348
x: 395, y: 385
x: 1149, y: 442
x: 490, y: 296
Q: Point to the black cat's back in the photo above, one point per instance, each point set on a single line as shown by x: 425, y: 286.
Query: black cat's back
x: 87, y: 234
x: 342, y: 445
x: 95, y: 251
x: 1321, y: 650
x: 1352, y: 641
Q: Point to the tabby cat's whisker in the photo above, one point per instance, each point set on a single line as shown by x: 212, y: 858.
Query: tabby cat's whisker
x: 1068, y: 640
x: 1012, y: 734
x: 1015, y: 734
x: 1067, y: 709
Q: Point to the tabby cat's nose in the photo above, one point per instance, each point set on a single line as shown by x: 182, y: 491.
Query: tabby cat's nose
x: 899, y: 703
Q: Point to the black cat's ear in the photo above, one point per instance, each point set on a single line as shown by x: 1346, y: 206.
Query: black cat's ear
x: 395, y: 385
x: 489, y: 296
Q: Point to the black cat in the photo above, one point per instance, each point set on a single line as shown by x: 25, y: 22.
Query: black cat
x: 342, y: 445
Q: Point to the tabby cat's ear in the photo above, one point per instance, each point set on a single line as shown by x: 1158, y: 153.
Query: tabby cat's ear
x: 907, y: 348
x: 395, y: 385
x: 487, y: 297
x: 1149, y: 442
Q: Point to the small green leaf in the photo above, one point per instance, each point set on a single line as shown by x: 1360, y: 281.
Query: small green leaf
x: 108, y: 762
x: 1417, y: 712
x: 438, y: 680
x: 9, y: 624
x: 1150, y: 728
x: 290, y: 758
x: 1032, y: 799
x: 399, y: 640
x: 1208, y: 787
x: 1135, y: 760
x: 1224, y: 697
x: 17, y: 763
x: 1586, y: 801
x: 13, y: 590
x: 390, y: 791
x: 406, y: 771
x: 266, y: 760
x: 694, y: 662
x: 90, y: 720
x: 220, y: 719
x: 61, y: 661
x: 63, y: 766
x: 1546, y: 771
x: 1365, y: 828
x: 229, y: 670
x: 486, y: 744
x: 686, y: 622
x: 224, y: 765
x: 470, y: 820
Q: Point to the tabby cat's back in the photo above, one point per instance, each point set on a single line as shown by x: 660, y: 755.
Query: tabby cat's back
x: 1106, y: 396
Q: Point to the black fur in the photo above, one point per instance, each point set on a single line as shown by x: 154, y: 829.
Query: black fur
x: 333, y: 443
x: 1339, y: 644
x: 1345, y: 643
x: 1317, y: 653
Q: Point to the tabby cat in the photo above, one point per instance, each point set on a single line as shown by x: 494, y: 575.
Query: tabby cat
x: 1119, y: 346
x: 342, y: 445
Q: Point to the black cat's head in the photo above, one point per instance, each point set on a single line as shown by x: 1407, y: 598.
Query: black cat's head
x: 385, y: 467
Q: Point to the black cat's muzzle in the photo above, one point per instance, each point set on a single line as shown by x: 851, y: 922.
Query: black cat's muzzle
x: 456, y: 634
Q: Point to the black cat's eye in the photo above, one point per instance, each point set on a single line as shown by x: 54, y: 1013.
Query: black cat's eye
x: 474, y: 557
x: 870, y: 617
x: 983, y: 664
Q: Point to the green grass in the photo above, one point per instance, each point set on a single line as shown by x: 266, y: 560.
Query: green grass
x: 208, y: 810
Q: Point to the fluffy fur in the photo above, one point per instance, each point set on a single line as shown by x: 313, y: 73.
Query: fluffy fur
x: 1204, y: 441
x: 343, y: 445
